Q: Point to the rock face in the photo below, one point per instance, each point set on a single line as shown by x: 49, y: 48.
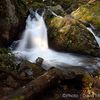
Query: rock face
x: 89, y: 13
x: 12, y: 15
x: 67, y: 5
x: 68, y: 34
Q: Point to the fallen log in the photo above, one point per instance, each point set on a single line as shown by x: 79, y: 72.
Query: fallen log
x: 37, y: 86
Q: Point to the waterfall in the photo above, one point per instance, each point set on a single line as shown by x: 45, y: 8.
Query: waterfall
x: 34, y: 44
x: 96, y: 37
x: 35, y: 34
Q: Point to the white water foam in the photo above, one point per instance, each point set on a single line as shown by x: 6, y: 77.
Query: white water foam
x: 34, y: 44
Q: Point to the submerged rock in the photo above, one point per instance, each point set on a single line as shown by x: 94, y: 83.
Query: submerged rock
x: 68, y: 34
x: 39, y: 61
x: 89, y: 13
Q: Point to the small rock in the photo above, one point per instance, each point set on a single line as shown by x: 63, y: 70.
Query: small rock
x: 31, y: 69
x: 39, y: 61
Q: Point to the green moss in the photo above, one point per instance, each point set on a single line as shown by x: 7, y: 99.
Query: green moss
x: 89, y: 13
x: 4, y: 51
x: 18, y: 98
x: 7, y: 59
x: 87, y: 80
x: 37, y: 70
x: 69, y: 34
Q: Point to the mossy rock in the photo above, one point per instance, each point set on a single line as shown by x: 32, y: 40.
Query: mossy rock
x: 36, y: 5
x: 89, y: 13
x: 68, y: 34
x: 37, y: 70
x: 87, y: 80
x: 7, y: 59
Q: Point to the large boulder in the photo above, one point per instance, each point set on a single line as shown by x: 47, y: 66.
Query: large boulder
x: 12, y: 20
x: 89, y: 13
x: 68, y: 34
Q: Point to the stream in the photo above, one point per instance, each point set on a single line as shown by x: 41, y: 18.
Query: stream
x: 34, y: 44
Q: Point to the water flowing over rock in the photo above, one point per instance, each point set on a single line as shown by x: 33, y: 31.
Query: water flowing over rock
x: 34, y: 44
x: 32, y: 69
x: 96, y: 37
x: 69, y: 34
x: 36, y: 38
x: 13, y: 16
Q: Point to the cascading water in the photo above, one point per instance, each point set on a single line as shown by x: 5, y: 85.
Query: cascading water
x: 96, y: 37
x: 35, y: 35
x: 34, y: 44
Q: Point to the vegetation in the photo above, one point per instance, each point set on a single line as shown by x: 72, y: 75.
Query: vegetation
x: 23, y: 80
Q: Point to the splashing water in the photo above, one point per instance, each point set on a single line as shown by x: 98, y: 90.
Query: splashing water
x: 34, y: 44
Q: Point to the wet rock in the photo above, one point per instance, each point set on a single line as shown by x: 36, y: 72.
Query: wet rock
x: 14, y: 45
x: 31, y: 70
x: 57, y: 9
x: 52, y: 11
x: 12, y: 20
x: 39, y: 61
x: 89, y: 13
x: 69, y: 34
